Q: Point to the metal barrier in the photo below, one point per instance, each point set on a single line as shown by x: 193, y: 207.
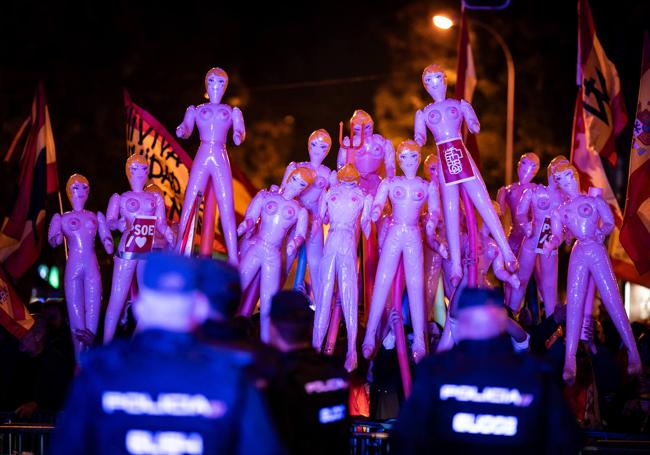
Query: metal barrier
x: 369, y: 438
x: 602, y: 442
x: 24, y: 438
x: 366, y: 438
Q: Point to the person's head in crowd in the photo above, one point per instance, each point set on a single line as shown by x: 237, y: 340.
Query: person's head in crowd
x: 525, y: 317
x: 481, y: 314
x: 291, y: 321
x: 169, y: 298
x: 435, y: 332
x: 33, y: 342
x: 219, y: 282
x: 559, y: 313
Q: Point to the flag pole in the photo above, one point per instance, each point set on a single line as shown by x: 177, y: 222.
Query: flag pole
x: 65, y: 242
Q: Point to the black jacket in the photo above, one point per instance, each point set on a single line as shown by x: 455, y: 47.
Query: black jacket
x: 163, y: 393
x: 482, y: 397
x: 309, y: 403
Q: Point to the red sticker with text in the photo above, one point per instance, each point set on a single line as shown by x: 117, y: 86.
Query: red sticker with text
x: 544, y: 235
x: 455, y: 162
x: 140, y: 238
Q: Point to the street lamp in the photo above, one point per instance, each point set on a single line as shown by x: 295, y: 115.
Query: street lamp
x: 444, y: 23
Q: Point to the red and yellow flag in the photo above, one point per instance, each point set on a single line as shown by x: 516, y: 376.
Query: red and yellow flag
x: 14, y: 317
x: 635, y: 233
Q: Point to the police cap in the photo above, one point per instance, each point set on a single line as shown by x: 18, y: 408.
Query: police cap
x: 473, y: 297
x: 168, y: 272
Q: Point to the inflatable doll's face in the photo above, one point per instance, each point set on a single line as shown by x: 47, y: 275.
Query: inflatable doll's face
x: 367, y: 129
x: 409, y: 161
x: 139, y: 172
x: 295, y: 185
x: 566, y: 180
x: 215, y: 86
x: 78, y: 192
x: 435, y: 84
x: 318, y: 149
x: 527, y: 169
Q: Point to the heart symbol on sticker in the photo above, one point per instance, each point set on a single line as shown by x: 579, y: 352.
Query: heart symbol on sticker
x: 140, y: 241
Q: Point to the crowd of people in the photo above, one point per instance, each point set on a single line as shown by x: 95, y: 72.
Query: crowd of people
x: 194, y: 378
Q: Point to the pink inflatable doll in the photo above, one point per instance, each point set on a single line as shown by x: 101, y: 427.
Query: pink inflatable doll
x: 124, y: 210
x: 83, y: 283
x: 444, y: 118
x: 588, y: 219
x: 509, y: 197
x: 277, y: 213
x: 346, y: 207
x: 407, y: 194
x: 319, y: 144
x: 213, y: 120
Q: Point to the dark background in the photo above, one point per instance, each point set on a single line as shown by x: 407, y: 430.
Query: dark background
x: 293, y: 68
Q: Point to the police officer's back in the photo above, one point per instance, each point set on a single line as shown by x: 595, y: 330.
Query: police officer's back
x: 219, y: 282
x: 164, y: 392
x: 482, y: 397
x: 309, y: 396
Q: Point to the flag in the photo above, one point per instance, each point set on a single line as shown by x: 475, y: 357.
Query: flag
x: 14, y: 317
x: 599, y: 114
x: 23, y: 230
x: 466, y: 81
x: 589, y: 165
x: 635, y: 233
x: 603, y: 110
x: 170, y: 164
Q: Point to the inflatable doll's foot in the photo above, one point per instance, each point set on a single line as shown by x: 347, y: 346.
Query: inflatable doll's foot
x: 569, y: 373
x: 351, y: 361
x: 419, y: 351
x: 368, y: 349
x: 634, y: 367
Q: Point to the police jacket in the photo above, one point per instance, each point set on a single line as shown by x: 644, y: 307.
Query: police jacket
x: 481, y: 397
x: 309, y: 402
x: 163, y: 393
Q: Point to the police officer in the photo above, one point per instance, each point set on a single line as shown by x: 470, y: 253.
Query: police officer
x: 482, y: 397
x: 219, y: 282
x: 309, y: 396
x: 164, y: 392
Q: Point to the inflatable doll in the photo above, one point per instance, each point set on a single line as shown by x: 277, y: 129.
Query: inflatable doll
x: 277, y: 213
x: 407, y: 194
x: 444, y: 118
x: 509, y: 197
x: 82, y: 280
x: 213, y: 120
x: 137, y: 214
x: 319, y: 144
x: 589, y: 220
x: 346, y: 207
x: 367, y: 151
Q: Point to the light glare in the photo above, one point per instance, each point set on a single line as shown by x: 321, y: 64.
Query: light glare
x: 442, y: 22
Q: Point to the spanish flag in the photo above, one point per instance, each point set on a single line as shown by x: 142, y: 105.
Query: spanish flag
x: 14, y: 317
x: 635, y: 233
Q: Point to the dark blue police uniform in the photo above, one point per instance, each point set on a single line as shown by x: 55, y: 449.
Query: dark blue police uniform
x: 164, y: 392
x: 481, y: 397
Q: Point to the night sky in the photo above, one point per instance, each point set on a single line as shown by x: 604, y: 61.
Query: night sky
x: 292, y: 69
